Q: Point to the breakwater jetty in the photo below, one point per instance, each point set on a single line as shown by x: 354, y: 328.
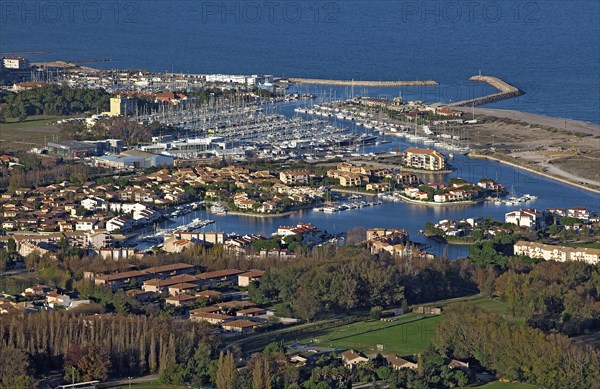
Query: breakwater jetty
x: 506, y: 91
x: 317, y: 81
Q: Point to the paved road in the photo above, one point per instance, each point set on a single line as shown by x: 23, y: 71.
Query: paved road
x: 125, y: 382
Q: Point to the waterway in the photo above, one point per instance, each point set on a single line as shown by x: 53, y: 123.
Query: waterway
x: 550, y: 193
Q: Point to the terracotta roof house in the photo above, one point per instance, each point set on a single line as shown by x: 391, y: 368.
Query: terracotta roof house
x: 353, y: 357
x: 241, y: 326
x: 398, y: 363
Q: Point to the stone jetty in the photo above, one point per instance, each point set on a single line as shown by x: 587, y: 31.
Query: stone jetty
x: 506, y: 91
x: 317, y: 81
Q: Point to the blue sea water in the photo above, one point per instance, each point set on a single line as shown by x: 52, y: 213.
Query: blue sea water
x: 548, y: 48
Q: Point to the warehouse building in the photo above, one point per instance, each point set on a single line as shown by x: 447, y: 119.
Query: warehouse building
x: 72, y: 149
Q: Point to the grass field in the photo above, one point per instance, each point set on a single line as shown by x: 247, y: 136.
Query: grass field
x: 406, y: 335
x: 506, y: 385
x: 24, y: 135
x: 499, y: 307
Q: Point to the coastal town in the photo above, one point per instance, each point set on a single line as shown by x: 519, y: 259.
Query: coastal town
x: 213, y: 230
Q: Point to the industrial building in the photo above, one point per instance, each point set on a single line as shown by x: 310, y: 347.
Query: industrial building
x: 134, y: 159
x: 72, y: 149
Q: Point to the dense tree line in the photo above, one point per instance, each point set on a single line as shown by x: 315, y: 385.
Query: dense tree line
x: 517, y: 352
x: 53, y: 99
x: 550, y: 295
x: 45, y: 174
x: 130, y: 131
x: 351, y: 278
x: 132, y: 345
x: 271, y: 369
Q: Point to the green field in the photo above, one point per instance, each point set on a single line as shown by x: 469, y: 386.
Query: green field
x: 499, y: 307
x: 23, y: 135
x: 405, y: 335
x: 506, y: 385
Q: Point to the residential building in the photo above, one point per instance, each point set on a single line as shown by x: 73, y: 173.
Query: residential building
x: 529, y: 218
x: 241, y: 326
x: 398, y: 363
x: 245, y: 279
x: 352, y: 358
x: 15, y: 63
x: 57, y: 300
x: 182, y: 300
x: 427, y: 159
x: 212, y: 318
x: 122, y: 106
x: 251, y: 312
x: 294, y: 177
x: 557, y: 253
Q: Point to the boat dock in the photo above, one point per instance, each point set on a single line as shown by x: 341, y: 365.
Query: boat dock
x: 506, y: 91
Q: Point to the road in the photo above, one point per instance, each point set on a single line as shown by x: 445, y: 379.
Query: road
x: 125, y: 382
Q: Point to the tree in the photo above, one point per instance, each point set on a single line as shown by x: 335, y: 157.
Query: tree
x: 11, y: 246
x: 357, y: 235
x: 14, y: 368
x: 376, y: 313
x: 226, y: 372
x: 261, y: 374
x: 94, y: 364
x: 197, y: 370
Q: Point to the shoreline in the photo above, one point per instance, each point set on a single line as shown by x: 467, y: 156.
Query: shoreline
x: 475, y: 155
x: 434, y: 204
x: 353, y: 191
x: 272, y: 215
x: 443, y: 240
x: 531, y: 118
x: 261, y: 215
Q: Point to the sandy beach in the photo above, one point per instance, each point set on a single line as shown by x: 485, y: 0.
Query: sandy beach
x: 539, y: 120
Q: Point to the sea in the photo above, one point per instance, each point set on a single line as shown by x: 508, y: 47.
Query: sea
x: 548, y: 48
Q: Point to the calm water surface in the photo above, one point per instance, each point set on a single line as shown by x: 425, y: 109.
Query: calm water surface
x: 549, y: 48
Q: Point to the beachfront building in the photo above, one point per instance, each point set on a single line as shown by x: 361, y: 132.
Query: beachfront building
x: 550, y: 252
x: 427, y: 159
x: 15, y: 63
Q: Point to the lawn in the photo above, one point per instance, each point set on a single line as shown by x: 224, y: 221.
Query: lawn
x: 506, y: 385
x: 24, y: 135
x: 403, y: 339
x: 405, y: 335
x: 499, y: 307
